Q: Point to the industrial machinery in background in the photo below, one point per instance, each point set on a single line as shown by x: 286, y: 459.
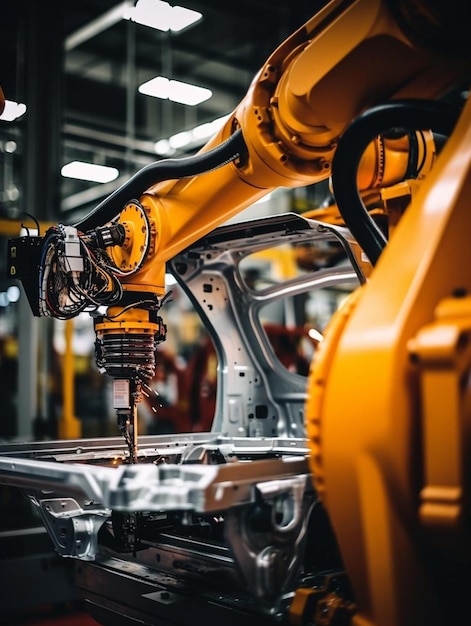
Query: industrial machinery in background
x: 340, y: 500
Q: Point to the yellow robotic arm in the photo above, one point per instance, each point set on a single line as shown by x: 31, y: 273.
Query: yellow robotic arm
x: 355, y: 95
x: 388, y: 411
x: 347, y: 58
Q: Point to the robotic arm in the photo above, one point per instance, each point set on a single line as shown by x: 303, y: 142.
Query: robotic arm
x: 358, y: 95
x: 285, y: 132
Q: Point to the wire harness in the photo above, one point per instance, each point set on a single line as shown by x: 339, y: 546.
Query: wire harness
x: 75, y: 275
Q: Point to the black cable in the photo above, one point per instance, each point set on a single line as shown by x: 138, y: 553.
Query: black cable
x: 413, y: 160
x: 159, y: 171
x: 38, y: 228
x: 406, y: 114
x: 424, y: 149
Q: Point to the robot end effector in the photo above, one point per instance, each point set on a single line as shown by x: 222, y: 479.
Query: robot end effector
x: 79, y: 272
x: 111, y: 272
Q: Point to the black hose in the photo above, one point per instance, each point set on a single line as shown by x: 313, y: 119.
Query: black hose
x: 159, y: 171
x: 406, y: 114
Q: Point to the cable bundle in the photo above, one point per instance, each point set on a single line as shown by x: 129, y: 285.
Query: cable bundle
x: 74, y: 276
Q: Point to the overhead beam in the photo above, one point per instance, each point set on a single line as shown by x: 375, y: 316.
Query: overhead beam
x: 97, y: 26
x: 92, y: 194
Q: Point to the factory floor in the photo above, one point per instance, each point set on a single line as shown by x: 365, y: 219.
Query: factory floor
x: 52, y: 616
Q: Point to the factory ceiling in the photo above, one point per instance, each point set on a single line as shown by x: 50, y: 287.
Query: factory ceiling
x: 77, y: 66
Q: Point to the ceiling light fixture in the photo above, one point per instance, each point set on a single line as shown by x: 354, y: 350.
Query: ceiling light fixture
x: 161, y: 15
x: 183, y: 93
x: 12, y: 111
x: 192, y: 138
x: 89, y: 171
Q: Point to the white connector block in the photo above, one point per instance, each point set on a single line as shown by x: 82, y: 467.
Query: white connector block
x: 72, y: 258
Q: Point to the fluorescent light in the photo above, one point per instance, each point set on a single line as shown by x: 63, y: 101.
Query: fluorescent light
x: 192, y: 137
x: 204, y: 131
x: 13, y: 293
x: 163, y: 147
x: 184, y: 93
x: 10, y: 146
x: 89, y: 171
x: 12, y: 111
x: 161, y: 15
x: 180, y: 140
x: 183, y: 17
